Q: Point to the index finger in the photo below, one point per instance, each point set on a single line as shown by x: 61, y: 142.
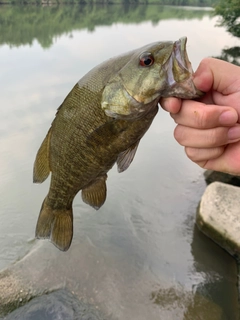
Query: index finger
x: 198, y: 115
x: 171, y: 104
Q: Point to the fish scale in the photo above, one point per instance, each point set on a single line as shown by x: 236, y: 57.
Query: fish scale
x: 100, y: 123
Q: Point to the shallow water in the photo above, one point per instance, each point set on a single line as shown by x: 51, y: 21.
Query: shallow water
x: 146, y: 227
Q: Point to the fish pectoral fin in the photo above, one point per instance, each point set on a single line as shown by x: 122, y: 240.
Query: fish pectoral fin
x: 41, y: 168
x: 56, y: 225
x: 95, y: 193
x: 126, y: 157
x: 107, y: 132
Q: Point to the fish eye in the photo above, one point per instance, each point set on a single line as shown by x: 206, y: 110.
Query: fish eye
x: 146, y: 59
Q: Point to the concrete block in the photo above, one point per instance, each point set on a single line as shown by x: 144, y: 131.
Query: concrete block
x: 218, y: 216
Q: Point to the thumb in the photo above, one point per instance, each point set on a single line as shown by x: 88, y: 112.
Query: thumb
x: 218, y: 75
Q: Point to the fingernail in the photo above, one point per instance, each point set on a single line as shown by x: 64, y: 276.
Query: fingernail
x: 234, y: 133
x: 228, y: 117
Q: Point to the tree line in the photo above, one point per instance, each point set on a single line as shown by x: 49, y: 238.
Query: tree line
x: 160, y: 2
x: 24, y: 24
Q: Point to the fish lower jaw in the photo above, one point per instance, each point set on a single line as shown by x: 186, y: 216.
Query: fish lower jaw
x: 183, y: 90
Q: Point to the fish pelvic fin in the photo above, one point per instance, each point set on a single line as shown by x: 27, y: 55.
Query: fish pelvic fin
x: 41, y: 168
x: 95, y: 193
x: 56, y: 225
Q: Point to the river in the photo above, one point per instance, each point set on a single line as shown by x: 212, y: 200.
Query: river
x: 146, y: 229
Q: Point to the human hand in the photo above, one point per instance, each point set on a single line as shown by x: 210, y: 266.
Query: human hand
x: 209, y: 129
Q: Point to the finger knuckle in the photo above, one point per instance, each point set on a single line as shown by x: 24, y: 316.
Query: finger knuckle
x: 217, y: 137
x: 212, y: 138
x: 201, y: 118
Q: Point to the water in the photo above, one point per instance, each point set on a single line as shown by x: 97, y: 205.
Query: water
x: 145, y: 231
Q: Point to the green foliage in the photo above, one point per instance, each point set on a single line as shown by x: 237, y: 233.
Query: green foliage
x: 231, y: 55
x: 23, y: 24
x: 161, y: 2
x: 230, y: 13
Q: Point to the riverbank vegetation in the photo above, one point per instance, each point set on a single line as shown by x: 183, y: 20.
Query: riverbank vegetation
x: 21, y: 25
x: 229, y: 14
x: 203, y: 3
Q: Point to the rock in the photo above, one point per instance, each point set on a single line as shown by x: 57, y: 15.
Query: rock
x: 218, y: 216
x: 60, y: 304
x: 197, y: 307
x: 212, y: 176
x: 35, y: 276
x: 112, y: 287
x: 122, y: 282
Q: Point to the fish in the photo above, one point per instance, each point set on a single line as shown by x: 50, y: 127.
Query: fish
x: 100, y: 123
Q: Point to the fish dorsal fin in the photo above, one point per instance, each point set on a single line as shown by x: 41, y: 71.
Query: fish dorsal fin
x: 126, y: 157
x: 41, y: 168
x: 95, y: 193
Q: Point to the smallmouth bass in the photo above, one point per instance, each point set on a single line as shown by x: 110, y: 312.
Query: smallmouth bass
x: 100, y: 123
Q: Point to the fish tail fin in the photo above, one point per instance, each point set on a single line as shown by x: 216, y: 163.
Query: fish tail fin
x: 56, y: 225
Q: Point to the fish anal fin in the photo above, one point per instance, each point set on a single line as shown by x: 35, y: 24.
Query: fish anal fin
x: 95, y: 193
x: 126, y: 157
x: 56, y: 225
x: 41, y: 168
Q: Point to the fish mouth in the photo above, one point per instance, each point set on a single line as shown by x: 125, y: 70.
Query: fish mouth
x: 180, y: 73
x: 183, y: 68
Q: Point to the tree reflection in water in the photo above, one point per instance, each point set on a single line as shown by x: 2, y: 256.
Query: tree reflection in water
x: 229, y: 12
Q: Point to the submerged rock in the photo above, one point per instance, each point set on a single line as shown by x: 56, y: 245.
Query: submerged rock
x: 116, y: 282
x: 218, y: 216
x: 103, y: 286
x: 61, y: 305
x: 43, y: 271
x: 197, y: 306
